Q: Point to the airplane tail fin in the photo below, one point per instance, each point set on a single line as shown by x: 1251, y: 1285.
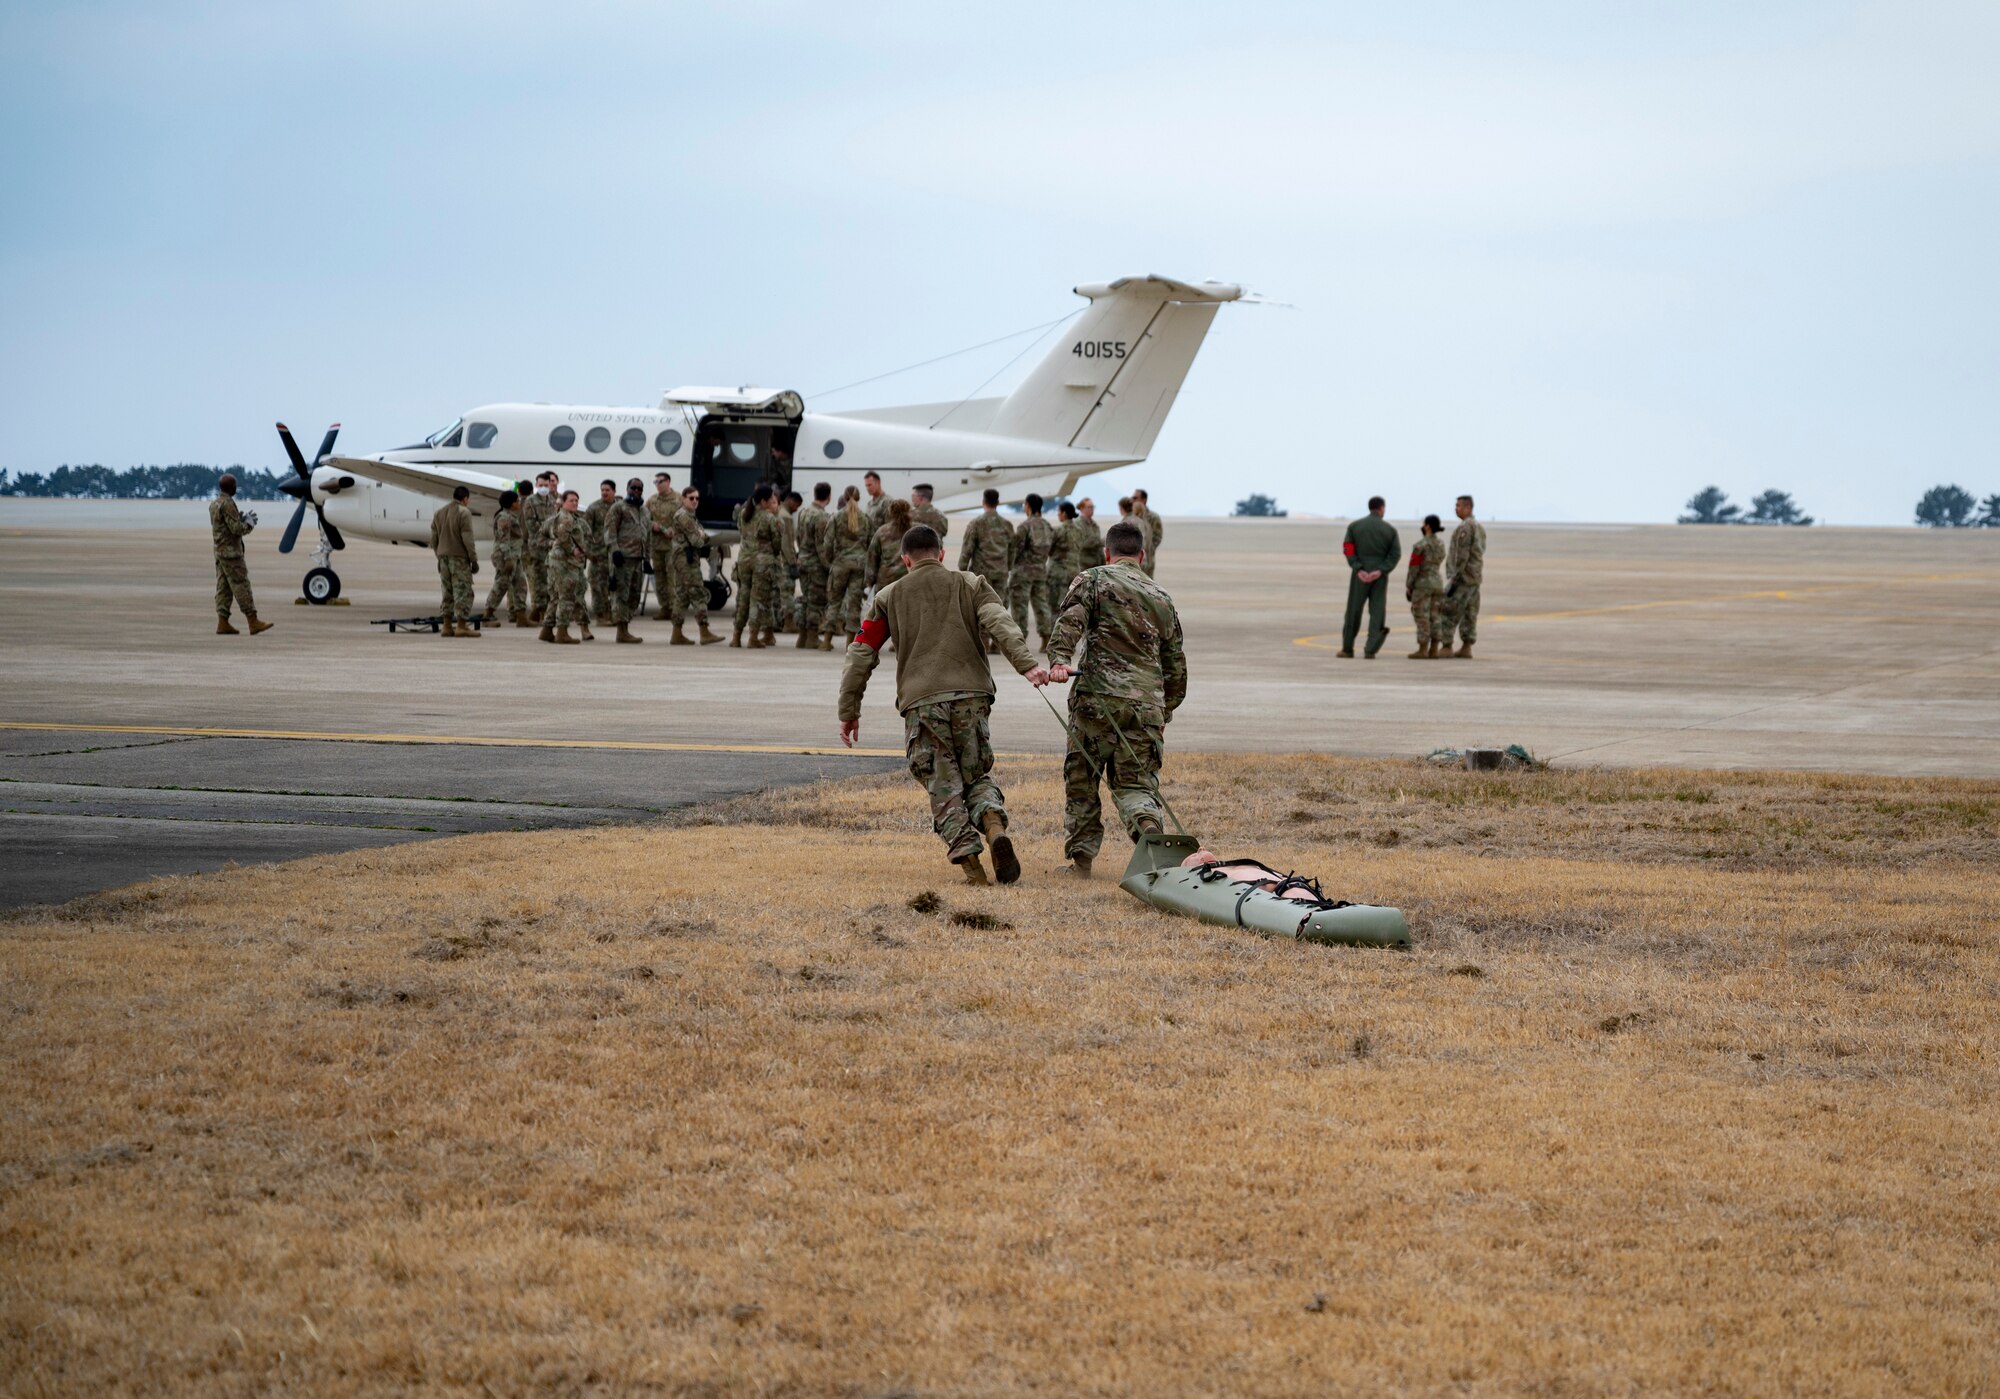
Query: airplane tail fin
x: 1107, y: 384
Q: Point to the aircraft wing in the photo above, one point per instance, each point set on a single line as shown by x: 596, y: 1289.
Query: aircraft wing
x: 438, y: 481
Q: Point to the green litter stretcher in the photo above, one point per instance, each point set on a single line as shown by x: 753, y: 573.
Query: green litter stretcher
x: 1250, y: 894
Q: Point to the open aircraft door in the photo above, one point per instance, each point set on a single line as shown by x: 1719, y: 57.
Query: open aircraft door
x: 743, y: 438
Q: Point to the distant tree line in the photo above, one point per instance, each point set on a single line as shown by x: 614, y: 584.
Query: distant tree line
x: 1711, y: 506
x: 1952, y: 507
x: 182, y: 481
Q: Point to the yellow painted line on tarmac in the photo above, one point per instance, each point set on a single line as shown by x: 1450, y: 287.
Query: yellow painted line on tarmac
x: 316, y: 736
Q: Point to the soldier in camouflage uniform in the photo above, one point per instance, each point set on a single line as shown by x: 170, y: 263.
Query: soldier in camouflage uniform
x: 847, y: 571
x: 988, y: 546
x: 627, y: 533
x: 763, y: 556
x: 1089, y: 538
x: 1063, y: 562
x: 458, y: 560
x: 1130, y: 680
x: 1142, y: 507
x: 226, y: 526
x: 536, y: 513
x: 876, y: 505
x: 788, y: 583
x: 686, y: 589
x: 661, y: 507
x: 510, y: 574
x: 569, y: 554
x: 600, y: 550
x: 922, y: 512
x: 1028, y: 571
x: 812, y: 525
x: 1423, y: 589
x: 944, y: 691
x: 885, y: 549
x: 1467, y: 562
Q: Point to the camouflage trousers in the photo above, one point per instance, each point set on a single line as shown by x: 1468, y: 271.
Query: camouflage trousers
x: 687, y: 591
x: 232, y: 584
x: 951, y: 754
x: 509, y: 576
x: 538, y: 584
x: 1427, y: 611
x: 1030, y: 591
x: 455, y: 583
x: 766, y: 581
x: 1461, y: 610
x: 565, y: 594
x: 1121, y: 740
x: 666, y: 588
x: 600, y: 589
x: 846, y: 580
x: 812, y: 595
x: 628, y: 585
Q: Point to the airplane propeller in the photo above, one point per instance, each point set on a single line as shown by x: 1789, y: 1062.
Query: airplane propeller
x: 300, y: 489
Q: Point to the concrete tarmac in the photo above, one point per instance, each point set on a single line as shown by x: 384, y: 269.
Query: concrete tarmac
x: 1820, y: 648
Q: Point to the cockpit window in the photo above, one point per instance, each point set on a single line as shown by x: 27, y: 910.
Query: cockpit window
x: 480, y: 435
x: 445, y: 436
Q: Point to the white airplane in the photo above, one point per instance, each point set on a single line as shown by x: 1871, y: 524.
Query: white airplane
x: 1096, y: 400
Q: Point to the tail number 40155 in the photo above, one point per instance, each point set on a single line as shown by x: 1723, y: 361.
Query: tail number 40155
x: 1098, y: 349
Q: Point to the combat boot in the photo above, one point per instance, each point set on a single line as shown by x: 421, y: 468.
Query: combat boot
x: 520, y: 618
x: 468, y: 632
x: 680, y: 636
x: 1434, y: 652
x: 736, y: 639
x: 1422, y: 653
x: 1344, y: 655
x: 1463, y: 653
x: 826, y: 642
x: 806, y: 640
x: 1078, y: 866
x: 446, y: 628
x: 770, y: 637
x: 548, y: 631
x: 537, y: 616
x: 583, y: 632
x: 222, y: 628
x: 1148, y: 826
x: 709, y: 638
x: 562, y: 636
x: 1006, y: 868
x: 755, y: 643
x: 662, y: 613
x: 975, y: 872
x: 625, y: 635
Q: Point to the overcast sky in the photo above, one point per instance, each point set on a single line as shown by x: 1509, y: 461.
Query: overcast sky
x: 1579, y: 258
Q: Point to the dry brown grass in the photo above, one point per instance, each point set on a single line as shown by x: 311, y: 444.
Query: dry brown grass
x: 712, y: 1109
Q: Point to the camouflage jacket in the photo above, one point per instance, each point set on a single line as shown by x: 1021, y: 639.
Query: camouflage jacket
x: 1033, y: 543
x: 877, y: 510
x: 227, y: 525
x: 451, y: 533
x: 660, y: 511
x: 885, y: 556
x: 1156, y: 529
x: 1130, y: 634
x: 536, y: 513
x: 1467, y: 559
x: 569, y: 539
x: 928, y: 514
x: 936, y: 617
x: 811, y: 525
x: 1089, y: 544
x: 763, y: 534
x: 507, y: 532
x: 628, y: 529
x: 1426, y: 559
x: 848, y: 539
x: 789, y: 524
x: 688, y: 535
x: 595, y: 515
x: 988, y: 546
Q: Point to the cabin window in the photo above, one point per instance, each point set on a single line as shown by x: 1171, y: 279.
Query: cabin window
x: 597, y: 439
x: 745, y: 452
x: 834, y: 447
x: 632, y: 441
x: 562, y: 438
x: 481, y: 435
x: 667, y: 443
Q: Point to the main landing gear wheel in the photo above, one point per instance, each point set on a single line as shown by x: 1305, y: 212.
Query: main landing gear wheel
x: 322, y: 586
x: 718, y: 593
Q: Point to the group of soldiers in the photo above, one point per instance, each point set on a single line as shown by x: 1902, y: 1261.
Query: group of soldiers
x: 801, y: 566
x: 1442, y: 585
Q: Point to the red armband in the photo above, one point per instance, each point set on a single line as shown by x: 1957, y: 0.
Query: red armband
x: 873, y: 633
x: 1347, y: 547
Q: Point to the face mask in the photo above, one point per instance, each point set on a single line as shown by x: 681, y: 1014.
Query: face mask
x: 541, y: 490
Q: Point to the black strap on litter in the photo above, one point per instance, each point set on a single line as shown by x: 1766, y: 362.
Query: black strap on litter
x: 1216, y: 870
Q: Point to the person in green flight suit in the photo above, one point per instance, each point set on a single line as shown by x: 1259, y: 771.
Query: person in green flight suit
x: 1373, y: 550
